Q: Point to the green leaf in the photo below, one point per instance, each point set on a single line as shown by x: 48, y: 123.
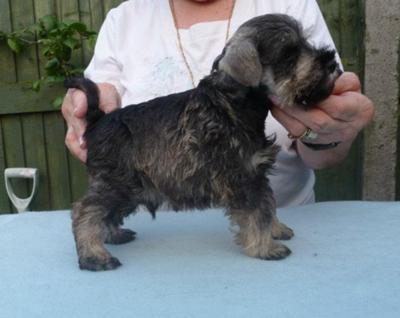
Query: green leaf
x: 90, y: 33
x: 53, y: 33
x: 62, y: 26
x: 72, y: 43
x: 47, y: 51
x: 52, y: 64
x: 92, y: 40
x: 14, y: 45
x: 64, y: 53
x: 58, y: 101
x: 49, y: 22
x: 36, y: 85
x: 78, y: 27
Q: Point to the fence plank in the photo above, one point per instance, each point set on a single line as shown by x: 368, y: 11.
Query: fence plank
x: 58, y: 172
x: 109, y: 4
x: 68, y: 10
x: 7, y: 71
x: 352, y: 35
x: 42, y: 8
x: 35, y: 155
x: 331, y: 12
x: 4, y: 201
x: 97, y: 14
x: 22, y: 15
x: 20, y: 98
x: 15, y: 153
x: 85, y: 17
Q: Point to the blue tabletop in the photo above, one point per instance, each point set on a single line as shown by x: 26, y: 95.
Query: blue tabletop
x: 345, y: 263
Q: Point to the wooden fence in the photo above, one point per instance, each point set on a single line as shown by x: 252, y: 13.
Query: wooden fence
x: 32, y: 131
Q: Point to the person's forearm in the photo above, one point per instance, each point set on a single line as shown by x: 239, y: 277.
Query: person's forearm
x: 319, y: 159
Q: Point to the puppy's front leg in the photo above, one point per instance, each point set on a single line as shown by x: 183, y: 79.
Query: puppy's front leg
x: 256, y: 227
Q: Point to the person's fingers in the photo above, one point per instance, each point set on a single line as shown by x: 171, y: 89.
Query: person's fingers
x: 335, y: 110
x: 292, y: 125
x: 347, y: 82
x: 74, y: 109
x: 79, y: 101
x: 73, y: 144
x: 328, y: 130
x: 314, y: 118
x: 347, y: 107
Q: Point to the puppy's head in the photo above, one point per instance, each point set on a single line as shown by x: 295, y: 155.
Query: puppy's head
x: 272, y: 51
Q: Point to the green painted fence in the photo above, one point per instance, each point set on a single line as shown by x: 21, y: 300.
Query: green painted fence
x: 32, y: 131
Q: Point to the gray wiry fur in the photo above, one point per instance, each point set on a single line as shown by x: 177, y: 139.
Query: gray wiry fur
x: 201, y: 148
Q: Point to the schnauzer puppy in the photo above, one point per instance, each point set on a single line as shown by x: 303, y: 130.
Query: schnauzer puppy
x: 201, y: 148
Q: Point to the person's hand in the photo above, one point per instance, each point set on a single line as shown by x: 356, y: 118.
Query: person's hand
x: 339, y: 118
x: 74, y: 110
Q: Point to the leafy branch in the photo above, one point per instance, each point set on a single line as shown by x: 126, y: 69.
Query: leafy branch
x: 57, y: 40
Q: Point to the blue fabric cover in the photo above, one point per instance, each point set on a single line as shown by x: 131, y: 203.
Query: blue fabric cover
x: 345, y: 263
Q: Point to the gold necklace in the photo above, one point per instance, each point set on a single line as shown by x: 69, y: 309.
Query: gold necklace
x: 171, y: 4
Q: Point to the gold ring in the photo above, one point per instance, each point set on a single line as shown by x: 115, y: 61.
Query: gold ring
x: 308, y: 134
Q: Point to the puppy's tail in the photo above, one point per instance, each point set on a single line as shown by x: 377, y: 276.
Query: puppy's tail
x: 92, y: 94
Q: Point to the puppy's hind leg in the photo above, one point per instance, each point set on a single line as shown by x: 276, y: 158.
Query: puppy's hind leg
x: 90, y: 232
x: 95, y: 220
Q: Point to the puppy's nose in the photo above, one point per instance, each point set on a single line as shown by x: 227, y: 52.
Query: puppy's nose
x: 339, y: 71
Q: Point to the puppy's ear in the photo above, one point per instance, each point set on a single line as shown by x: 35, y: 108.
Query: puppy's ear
x: 240, y: 60
x: 215, y: 65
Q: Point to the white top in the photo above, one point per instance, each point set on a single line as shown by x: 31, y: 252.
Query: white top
x: 137, y: 51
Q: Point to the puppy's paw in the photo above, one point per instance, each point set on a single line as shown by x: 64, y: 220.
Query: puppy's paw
x: 276, y: 252
x: 95, y: 264
x: 281, y: 232
x: 270, y: 251
x: 121, y: 236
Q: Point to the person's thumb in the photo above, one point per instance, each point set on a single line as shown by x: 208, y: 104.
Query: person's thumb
x: 347, y: 82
